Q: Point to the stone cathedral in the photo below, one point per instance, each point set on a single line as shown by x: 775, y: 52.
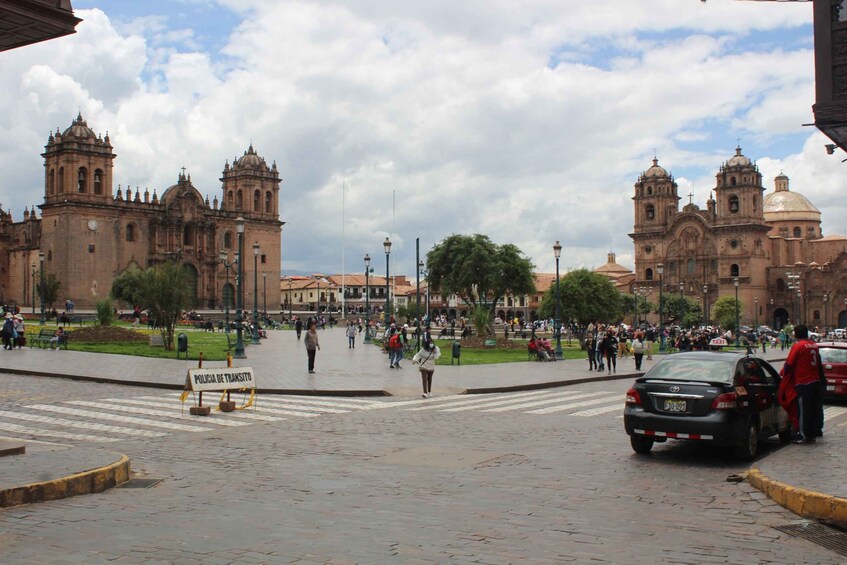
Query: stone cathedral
x: 88, y: 232
x: 770, y: 245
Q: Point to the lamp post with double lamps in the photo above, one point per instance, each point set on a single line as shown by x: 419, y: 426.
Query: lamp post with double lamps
x: 660, y: 268
x: 41, y: 320
x: 226, y: 293
x: 239, y: 297
x: 557, y: 252
x: 737, y: 327
x: 825, y: 317
x: 705, y: 305
x: 256, y: 249
x: 386, y: 245
x: 367, y: 299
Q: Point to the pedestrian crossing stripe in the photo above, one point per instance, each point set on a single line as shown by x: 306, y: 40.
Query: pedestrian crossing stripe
x: 155, y: 401
x: 618, y: 406
x: 461, y: 400
x: 551, y: 401
x: 165, y: 405
x: 112, y: 417
x: 9, y: 427
x: 81, y: 424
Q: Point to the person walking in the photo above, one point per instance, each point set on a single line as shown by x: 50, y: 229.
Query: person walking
x: 20, y: 330
x: 800, y: 391
x: 426, y: 359
x: 351, y: 335
x: 638, y: 349
x: 312, y: 345
x: 298, y: 327
x: 649, y: 338
x: 598, y: 348
x: 610, y: 349
x: 589, y: 348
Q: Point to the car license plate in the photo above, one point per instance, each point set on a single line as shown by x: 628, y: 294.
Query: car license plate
x: 674, y: 406
x: 830, y: 387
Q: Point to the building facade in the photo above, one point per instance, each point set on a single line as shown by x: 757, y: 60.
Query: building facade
x: 88, y: 233
x: 767, y: 248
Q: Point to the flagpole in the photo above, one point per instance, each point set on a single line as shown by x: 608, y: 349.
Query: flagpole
x: 343, y: 267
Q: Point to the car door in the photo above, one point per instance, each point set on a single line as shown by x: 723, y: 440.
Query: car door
x: 771, y: 415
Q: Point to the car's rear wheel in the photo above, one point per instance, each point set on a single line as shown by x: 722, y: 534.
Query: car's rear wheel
x: 747, y: 451
x: 641, y: 444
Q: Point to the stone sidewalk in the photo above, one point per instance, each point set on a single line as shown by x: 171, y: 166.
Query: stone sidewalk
x: 814, y: 489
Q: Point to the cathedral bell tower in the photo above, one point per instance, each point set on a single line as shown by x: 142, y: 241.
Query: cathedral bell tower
x: 656, y: 200
x: 251, y: 188
x: 739, y: 192
x: 78, y: 166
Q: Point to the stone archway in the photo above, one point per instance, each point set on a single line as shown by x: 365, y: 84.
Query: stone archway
x: 780, y: 318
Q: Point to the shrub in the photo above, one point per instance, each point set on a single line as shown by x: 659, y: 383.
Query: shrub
x: 105, y: 312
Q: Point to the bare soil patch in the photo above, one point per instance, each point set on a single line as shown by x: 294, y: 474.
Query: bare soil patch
x: 106, y: 334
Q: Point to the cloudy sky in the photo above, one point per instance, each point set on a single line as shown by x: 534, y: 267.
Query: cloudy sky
x: 525, y: 121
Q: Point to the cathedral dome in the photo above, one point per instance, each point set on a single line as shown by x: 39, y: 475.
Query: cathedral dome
x: 79, y: 129
x: 656, y: 171
x: 738, y: 160
x: 782, y: 204
x: 250, y: 159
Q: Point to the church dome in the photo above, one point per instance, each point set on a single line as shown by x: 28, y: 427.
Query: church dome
x: 782, y: 204
x: 79, y: 129
x: 656, y: 171
x: 738, y: 160
x: 250, y: 159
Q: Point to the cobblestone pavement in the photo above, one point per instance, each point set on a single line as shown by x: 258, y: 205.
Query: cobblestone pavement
x: 399, y: 483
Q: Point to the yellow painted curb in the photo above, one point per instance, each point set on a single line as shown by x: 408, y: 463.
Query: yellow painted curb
x: 806, y: 503
x: 87, y: 482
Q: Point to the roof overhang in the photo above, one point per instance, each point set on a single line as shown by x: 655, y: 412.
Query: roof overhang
x: 24, y: 22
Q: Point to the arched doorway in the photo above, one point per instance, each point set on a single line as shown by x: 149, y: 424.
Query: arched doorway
x: 191, y: 272
x: 842, y: 319
x: 780, y: 318
x: 229, y: 296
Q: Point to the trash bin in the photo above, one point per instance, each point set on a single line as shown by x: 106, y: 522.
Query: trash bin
x: 182, y: 345
x: 457, y: 353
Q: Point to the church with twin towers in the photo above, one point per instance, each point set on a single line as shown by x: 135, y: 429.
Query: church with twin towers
x: 767, y: 244
x: 88, y: 231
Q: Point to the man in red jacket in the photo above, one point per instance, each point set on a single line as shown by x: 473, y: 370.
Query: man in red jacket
x: 803, y: 369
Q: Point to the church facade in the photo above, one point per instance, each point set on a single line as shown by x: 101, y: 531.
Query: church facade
x: 769, y: 248
x: 88, y: 233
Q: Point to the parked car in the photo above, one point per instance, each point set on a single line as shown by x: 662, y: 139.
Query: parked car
x: 834, y: 359
x: 728, y: 399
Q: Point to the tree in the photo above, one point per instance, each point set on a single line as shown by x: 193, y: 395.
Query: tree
x: 585, y: 297
x: 163, y: 290
x: 644, y: 306
x: 724, y: 311
x: 479, y: 272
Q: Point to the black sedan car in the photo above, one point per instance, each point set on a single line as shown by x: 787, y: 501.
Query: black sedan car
x: 728, y: 399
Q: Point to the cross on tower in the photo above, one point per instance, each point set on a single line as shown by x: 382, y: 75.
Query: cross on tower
x: 183, y: 172
x: 690, y: 197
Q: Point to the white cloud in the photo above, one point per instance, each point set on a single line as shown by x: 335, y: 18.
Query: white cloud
x: 453, y: 111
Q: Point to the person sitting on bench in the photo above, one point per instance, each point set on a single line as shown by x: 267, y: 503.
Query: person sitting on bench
x: 57, y: 339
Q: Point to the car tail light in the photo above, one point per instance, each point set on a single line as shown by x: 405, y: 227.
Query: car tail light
x: 725, y: 401
x: 632, y: 397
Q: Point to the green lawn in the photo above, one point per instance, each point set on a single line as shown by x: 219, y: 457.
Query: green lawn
x: 212, y: 345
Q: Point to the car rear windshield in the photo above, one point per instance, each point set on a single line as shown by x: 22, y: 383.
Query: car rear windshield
x: 833, y: 355
x: 716, y: 370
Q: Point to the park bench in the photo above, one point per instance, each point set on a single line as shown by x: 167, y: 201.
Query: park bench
x: 44, y: 336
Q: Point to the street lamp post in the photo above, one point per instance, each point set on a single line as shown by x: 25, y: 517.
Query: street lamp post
x: 367, y: 299
x: 265, y: 292
x: 557, y: 251
x: 41, y: 320
x: 756, y: 314
x: 290, y: 304
x: 239, y: 298
x: 256, y: 249
x: 705, y: 305
x: 226, y: 294
x: 386, y: 245
x: 660, y: 268
x: 825, y: 297
x: 420, y: 326
x: 737, y: 328
x: 799, y: 307
x: 33, y: 289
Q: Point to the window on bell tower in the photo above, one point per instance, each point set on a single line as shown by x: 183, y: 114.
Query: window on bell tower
x: 81, y: 178
x: 733, y: 204
x: 650, y: 212
x: 98, y: 181
x: 733, y: 270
